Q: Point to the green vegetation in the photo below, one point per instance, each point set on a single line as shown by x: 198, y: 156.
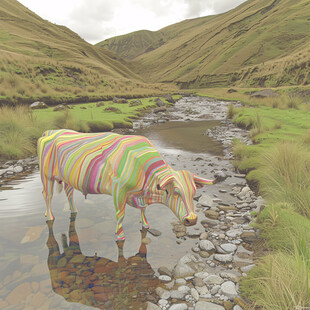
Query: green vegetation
x: 20, y: 127
x: 261, y: 43
x: 41, y: 60
x: 19, y: 131
x: 279, y: 164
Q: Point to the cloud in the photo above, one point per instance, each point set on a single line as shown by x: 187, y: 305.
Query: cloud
x: 96, y: 20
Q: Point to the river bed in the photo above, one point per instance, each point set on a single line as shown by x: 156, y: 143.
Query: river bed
x: 29, y: 279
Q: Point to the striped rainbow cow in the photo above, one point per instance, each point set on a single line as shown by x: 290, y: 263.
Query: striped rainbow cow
x: 127, y: 167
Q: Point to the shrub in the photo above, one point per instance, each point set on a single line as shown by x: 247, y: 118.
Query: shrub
x: 231, y: 111
x: 66, y: 121
x: 284, y: 175
x: 99, y: 126
x: 19, y: 131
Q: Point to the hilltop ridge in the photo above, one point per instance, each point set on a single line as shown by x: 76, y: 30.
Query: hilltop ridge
x: 259, y: 43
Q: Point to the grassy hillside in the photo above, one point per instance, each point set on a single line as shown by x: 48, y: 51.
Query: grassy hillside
x: 42, y: 59
x: 259, y: 43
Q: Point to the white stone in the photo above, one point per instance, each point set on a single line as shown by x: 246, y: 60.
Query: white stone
x: 228, y: 247
x: 194, y: 293
x: 202, y: 290
x: 184, y: 289
x: 18, y: 169
x: 213, y: 279
x: 233, y: 233
x: 230, y: 276
x: 180, y: 282
x: 151, y: 306
x: 206, y: 245
x: 237, y: 307
x: 202, y: 274
x: 188, y: 266
x: 223, y: 258
x: 176, y: 294
x: 204, y: 305
x: 162, y: 293
x: 215, y: 289
x: 162, y: 303
x: 229, y: 289
x: 178, y: 307
x: 204, y: 236
x: 164, y: 278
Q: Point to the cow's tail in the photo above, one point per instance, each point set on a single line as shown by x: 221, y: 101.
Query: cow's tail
x: 59, y: 186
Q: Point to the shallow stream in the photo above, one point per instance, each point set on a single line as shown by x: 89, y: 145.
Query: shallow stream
x: 35, y: 275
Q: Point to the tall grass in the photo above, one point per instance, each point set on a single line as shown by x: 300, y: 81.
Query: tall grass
x: 280, y: 282
x: 282, y: 279
x: 67, y: 121
x: 284, y: 175
x: 19, y: 131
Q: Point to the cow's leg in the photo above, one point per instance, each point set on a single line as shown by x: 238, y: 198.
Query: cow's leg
x: 120, y: 213
x: 47, y: 192
x: 145, y: 223
x: 69, y: 192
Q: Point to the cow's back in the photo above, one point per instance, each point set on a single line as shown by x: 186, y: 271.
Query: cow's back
x: 90, y: 162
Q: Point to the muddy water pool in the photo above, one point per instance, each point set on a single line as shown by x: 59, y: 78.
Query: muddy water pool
x: 34, y: 272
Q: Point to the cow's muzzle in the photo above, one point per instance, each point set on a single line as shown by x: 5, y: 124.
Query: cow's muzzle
x: 189, y: 221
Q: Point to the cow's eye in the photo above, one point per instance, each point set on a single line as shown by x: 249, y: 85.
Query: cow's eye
x: 158, y: 187
x: 166, y: 191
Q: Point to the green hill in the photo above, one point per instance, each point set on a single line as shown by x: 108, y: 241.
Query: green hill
x: 42, y: 59
x: 259, y: 43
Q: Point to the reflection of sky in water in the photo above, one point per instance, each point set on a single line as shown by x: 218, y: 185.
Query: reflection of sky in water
x: 24, y: 233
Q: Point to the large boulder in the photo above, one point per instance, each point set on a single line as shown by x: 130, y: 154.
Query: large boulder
x: 265, y: 93
x: 60, y: 107
x: 119, y: 100
x: 38, y: 105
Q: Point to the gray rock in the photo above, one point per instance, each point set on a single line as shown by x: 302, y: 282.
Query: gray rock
x: 215, y: 289
x: 223, y: 258
x: 188, y: 266
x: 237, y: 307
x: 154, y: 232
x: 230, y: 276
x: 184, y: 289
x: 164, y: 278
x: 164, y: 271
x: 176, y: 294
x: 206, y: 245
x: 162, y: 303
x: 228, y: 247
x: 162, y: 293
x: 229, y: 289
x: 194, y: 293
x: 180, y: 282
x: 233, y: 233
x: 18, y: 169
x: 179, y: 307
x: 213, y: 279
x: 202, y: 290
x: 38, y: 105
x: 205, y: 200
x: 151, y: 306
x: 204, y: 305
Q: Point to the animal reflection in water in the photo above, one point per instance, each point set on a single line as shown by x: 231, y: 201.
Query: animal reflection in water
x: 97, y: 281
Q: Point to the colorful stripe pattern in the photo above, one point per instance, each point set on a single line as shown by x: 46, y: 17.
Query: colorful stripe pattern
x: 127, y: 167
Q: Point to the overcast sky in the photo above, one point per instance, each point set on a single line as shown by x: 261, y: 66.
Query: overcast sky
x: 96, y: 20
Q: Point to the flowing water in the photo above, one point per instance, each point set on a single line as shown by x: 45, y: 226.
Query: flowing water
x: 75, y: 262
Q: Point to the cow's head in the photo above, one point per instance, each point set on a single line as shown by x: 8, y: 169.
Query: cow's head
x: 176, y: 190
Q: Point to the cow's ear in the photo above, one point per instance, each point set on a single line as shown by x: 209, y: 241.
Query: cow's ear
x: 165, y: 181
x: 200, y: 182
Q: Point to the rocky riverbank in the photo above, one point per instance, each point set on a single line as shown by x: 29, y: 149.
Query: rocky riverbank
x: 208, y: 275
